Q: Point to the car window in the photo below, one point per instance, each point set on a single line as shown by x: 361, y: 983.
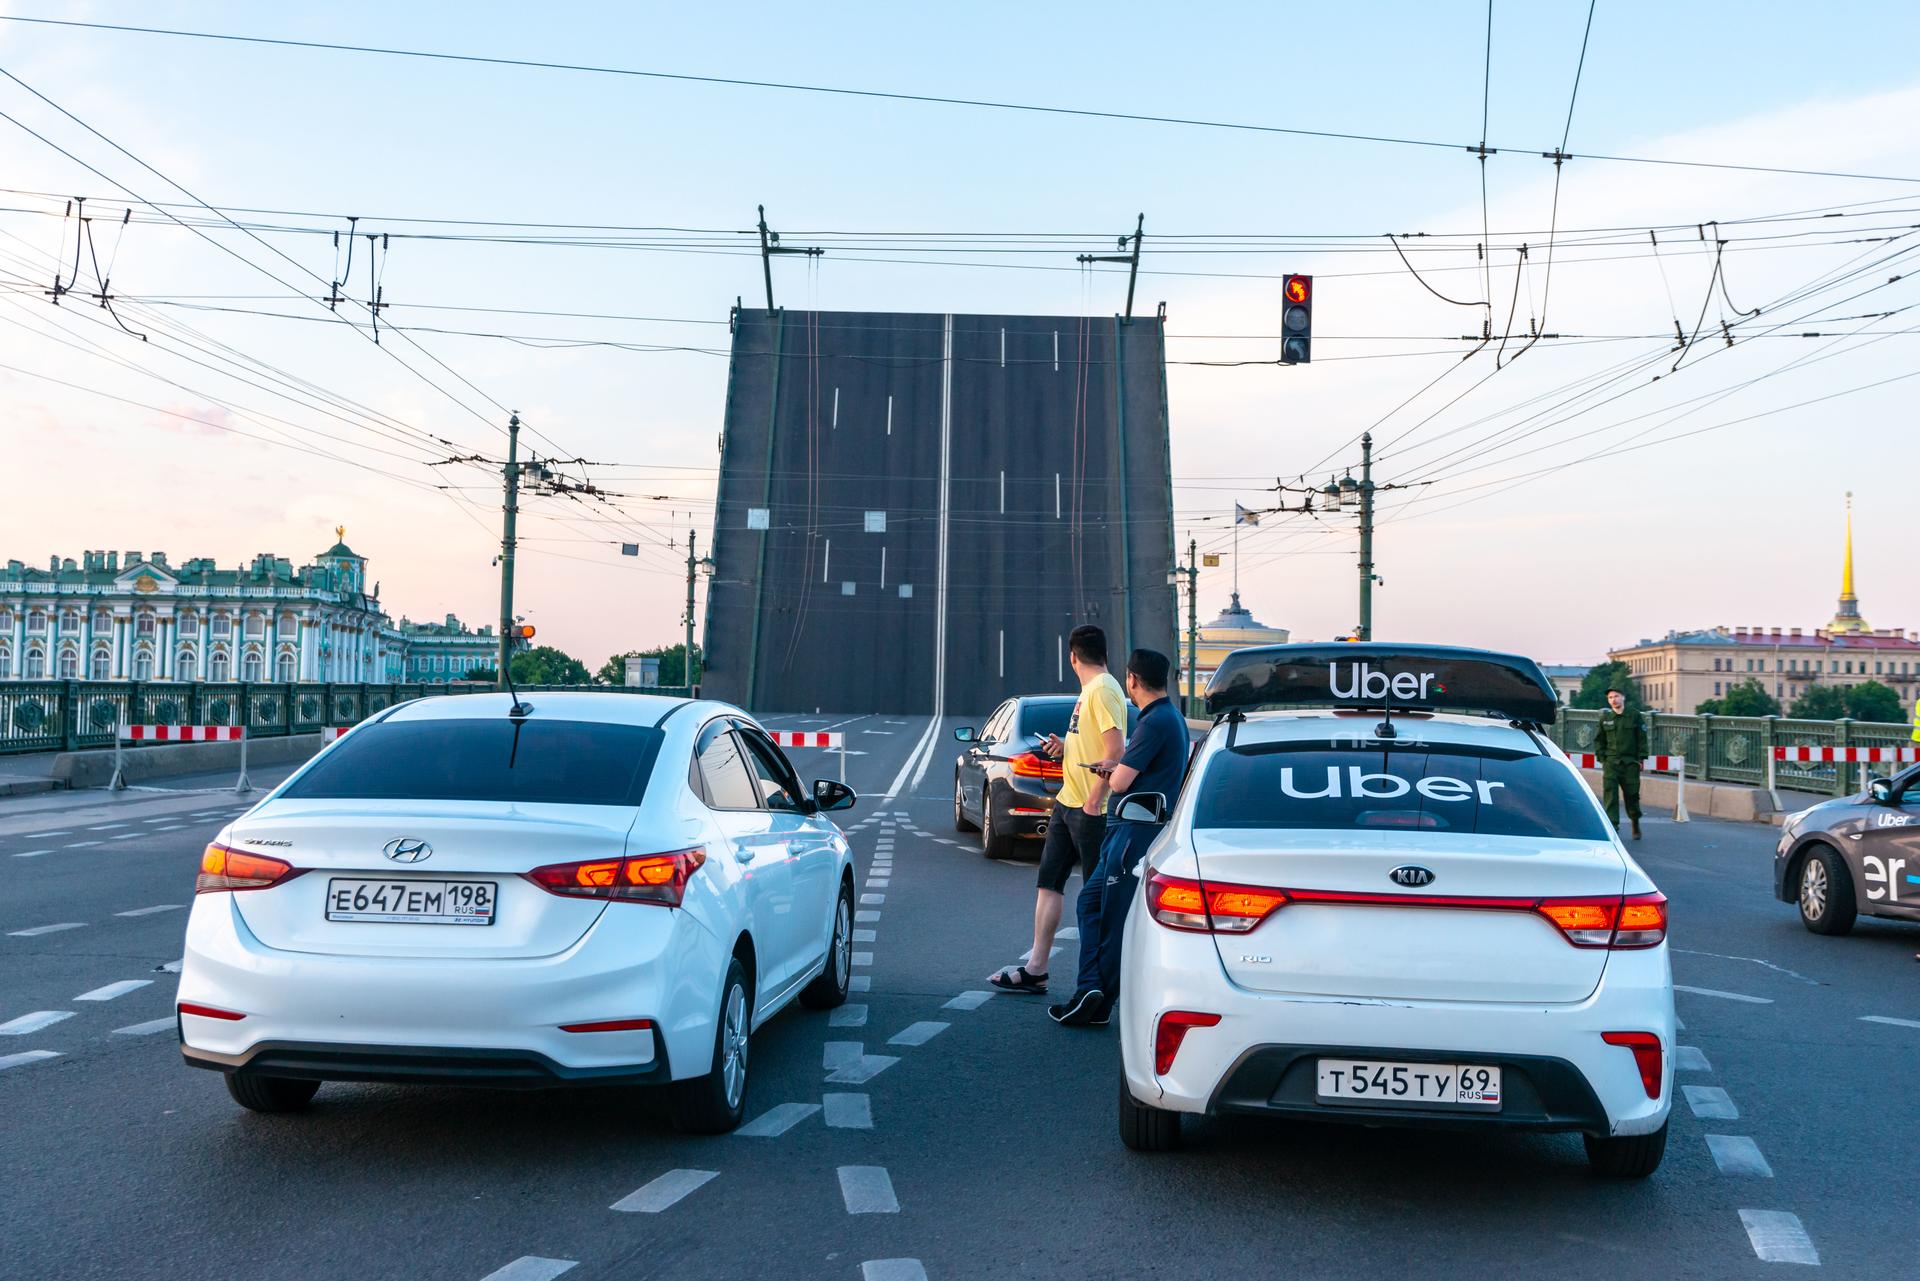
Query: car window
x: 775, y: 780
x: 995, y: 729
x: 526, y: 761
x: 1411, y: 786
x: 727, y: 783
x: 1039, y: 719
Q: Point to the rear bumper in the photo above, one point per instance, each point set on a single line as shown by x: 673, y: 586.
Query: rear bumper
x: 422, y: 1065
x: 1021, y: 805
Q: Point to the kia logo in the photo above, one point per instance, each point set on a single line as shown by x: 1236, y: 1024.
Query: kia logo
x: 408, y: 850
x: 1411, y: 876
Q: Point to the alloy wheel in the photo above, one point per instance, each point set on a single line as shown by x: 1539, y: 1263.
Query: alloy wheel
x: 843, y: 941
x: 1813, y: 890
x: 734, y: 1046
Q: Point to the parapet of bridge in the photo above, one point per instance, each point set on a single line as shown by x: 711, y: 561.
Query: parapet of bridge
x: 915, y: 510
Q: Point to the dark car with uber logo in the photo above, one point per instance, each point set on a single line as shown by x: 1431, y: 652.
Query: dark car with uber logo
x: 1855, y: 854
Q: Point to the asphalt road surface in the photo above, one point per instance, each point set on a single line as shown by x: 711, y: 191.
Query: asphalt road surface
x: 923, y: 1131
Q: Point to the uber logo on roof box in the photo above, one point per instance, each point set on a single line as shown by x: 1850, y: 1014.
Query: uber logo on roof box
x: 1367, y: 682
x: 1411, y: 876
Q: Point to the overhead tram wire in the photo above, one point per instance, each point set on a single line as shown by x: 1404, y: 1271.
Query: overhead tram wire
x: 1560, y: 157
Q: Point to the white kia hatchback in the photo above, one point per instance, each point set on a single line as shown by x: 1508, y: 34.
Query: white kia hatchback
x: 594, y: 889
x: 1373, y: 909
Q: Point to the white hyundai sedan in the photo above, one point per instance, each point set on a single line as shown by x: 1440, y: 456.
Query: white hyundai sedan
x: 1371, y: 908
x: 576, y: 889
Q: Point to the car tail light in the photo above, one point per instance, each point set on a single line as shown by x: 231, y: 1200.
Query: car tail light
x: 635, y: 878
x: 1181, y: 904
x: 609, y: 1025
x: 1034, y: 765
x: 210, y: 1012
x: 222, y: 868
x: 1171, y: 1031
x: 1635, y: 921
x: 1646, y: 1056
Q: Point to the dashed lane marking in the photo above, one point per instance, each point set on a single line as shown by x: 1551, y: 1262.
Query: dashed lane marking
x: 29, y: 1023
x: 38, y: 930
x: 32, y: 853
x: 179, y: 827
x: 868, y: 1189
x: 1688, y: 1058
x: 864, y: 936
x: 1725, y: 996
x: 848, y: 1016
x: 531, y: 1267
x: 146, y: 1029
x: 877, y: 882
x: 968, y: 1001
x: 106, y: 827
x: 111, y: 990
x: 776, y: 1121
x: 1710, y: 1102
x: 874, y: 899
x: 866, y: 917
x: 862, y: 1070
x: 837, y: 1054
x: 893, y: 1270
x: 917, y: 1033
x: 1067, y: 932
x: 47, y: 836
x: 1738, y: 1155
x: 664, y: 1192
x: 1778, y: 1237
x: 1882, y: 1018
x: 171, y: 967
x: 151, y: 911
x: 129, y: 836
x: 83, y: 845
x: 860, y: 983
x: 25, y: 1057
x: 863, y: 958
x: 848, y: 1111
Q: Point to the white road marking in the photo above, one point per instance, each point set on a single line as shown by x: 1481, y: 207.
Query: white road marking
x: 25, y: 1057
x: 848, y: 1111
x: 848, y: 1016
x: 45, y: 836
x: 83, y: 845
x: 106, y: 827
x: 205, y: 813
x: 1725, y: 996
x: 893, y: 1270
x: 1679, y: 1022
x: 837, y: 1054
x: 906, y: 768
x: 28, y: 1023
x: 1778, y: 1237
x: 145, y: 1029
x: 149, y: 911
x: 32, y: 853
x: 860, y: 983
x: 776, y: 1121
x: 1067, y: 932
x: 968, y: 1001
x: 663, y: 1192
x: 38, y: 930
x: 112, y: 990
x: 162, y: 819
x: 874, y: 899
x: 181, y: 826
x: 863, y: 958
x: 1881, y: 1018
x: 173, y: 967
x: 866, y: 917
x: 1688, y: 1058
x: 868, y: 1189
x: 128, y: 836
x: 862, y: 1070
x: 1738, y: 1154
x: 864, y: 936
x: 1710, y: 1102
x: 877, y: 882
x: 531, y: 1267
x: 917, y: 1033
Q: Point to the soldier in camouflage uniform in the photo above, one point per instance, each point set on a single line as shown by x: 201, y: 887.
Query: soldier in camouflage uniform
x: 1620, y: 744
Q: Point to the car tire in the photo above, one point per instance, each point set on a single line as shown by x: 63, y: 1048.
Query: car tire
x: 716, y: 1103
x: 270, y: 1094
x: 993, y: 842
x: 1825, y: 893
x: 829, y: 990
x: 1630, y: 1156
x: 961, y: 823
x: 1144, y: 1128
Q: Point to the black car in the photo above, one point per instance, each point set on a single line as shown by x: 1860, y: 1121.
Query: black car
x: 1002, y: 785
x: 1859, y: 853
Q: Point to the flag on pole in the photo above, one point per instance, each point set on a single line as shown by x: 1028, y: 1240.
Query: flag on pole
x: 1241, y: 516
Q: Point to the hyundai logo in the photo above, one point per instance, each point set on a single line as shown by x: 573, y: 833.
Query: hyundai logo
x: 408, y: 850
x: 1407, y: 874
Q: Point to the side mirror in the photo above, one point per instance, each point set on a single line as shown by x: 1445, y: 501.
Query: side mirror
x: 963, y: 733
x: 1143, y: 807
x: 830, y: 794
x: 1880, y: 791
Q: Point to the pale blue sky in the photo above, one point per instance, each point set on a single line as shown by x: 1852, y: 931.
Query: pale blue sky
x: 1739, y: 526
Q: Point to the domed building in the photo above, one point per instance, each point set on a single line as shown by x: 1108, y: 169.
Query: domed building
x: 1235, y: 628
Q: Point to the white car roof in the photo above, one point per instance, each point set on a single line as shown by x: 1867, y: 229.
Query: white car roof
x: 1296, y: 726
x: 575, y: 705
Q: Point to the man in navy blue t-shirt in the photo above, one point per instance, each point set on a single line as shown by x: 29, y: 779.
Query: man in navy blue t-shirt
x: 1155, y: 760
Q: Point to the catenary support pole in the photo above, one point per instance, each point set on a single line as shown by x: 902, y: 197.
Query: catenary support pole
x: 686, y: 655
x: 1193, y: 623
x: 1366, y: 537
x: 512, y: 510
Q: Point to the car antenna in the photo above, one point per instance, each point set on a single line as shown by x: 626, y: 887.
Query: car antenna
x: 1385, y: 729
x: 520, y: 633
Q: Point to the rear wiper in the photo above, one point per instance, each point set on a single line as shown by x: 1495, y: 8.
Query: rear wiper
x: 514, y: 753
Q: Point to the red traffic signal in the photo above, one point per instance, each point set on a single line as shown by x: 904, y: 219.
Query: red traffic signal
x: 522, y: 631
x: 1299, y: 289
x: 1296, y: 320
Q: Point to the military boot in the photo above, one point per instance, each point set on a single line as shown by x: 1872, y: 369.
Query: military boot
x: 1636, y: 829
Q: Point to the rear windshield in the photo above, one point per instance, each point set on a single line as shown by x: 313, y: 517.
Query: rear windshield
x: 532, y: 761
x: 1042, y: 719
x: 1416, y: 787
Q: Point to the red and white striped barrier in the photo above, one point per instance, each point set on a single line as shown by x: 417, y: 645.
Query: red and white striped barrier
x: 1848, y: 755
x: 331, y: 732
x: 177, y: 734
x: 1678, y: 764
x: 813, y: 738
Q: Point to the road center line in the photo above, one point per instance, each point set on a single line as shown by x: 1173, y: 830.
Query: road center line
x: 1778, y: 1237
x: 112, y: 990
x: 868, y: 1189
x: 663, y: 1192
x: 531, y: 1267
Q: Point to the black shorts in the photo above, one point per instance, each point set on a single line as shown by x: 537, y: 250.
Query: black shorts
x: 1073, y: 836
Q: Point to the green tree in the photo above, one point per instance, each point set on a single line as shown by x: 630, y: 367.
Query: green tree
x: 546, y: 665
x: 1872, y: 701
x: 673, y: 664
x: 1592, y: 693
x: 1748, y: 698
x: 486, y: 673
x: 1820, y: 703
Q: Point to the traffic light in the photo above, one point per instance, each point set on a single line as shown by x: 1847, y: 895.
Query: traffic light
x: 1296, y: 320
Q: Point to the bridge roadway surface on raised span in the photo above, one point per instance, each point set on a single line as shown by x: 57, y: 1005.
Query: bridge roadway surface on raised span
x: 963, y: 1137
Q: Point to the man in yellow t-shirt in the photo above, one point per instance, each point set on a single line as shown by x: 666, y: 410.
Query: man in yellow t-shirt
x: 1097, y: 732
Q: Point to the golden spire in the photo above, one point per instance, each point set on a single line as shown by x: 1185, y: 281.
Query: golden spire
x: 1848, y: 619
x: 1846, y: 572
x: 340, y: 533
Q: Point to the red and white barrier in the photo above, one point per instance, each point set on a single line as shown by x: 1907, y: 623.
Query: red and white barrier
x: 1678, y: 764
x: 177, y: 734
x: 331, y: 732
x: 813, y: 738
x: 1848, y: 755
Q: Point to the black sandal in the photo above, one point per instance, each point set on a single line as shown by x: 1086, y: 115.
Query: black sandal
x: 1027, y: 984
